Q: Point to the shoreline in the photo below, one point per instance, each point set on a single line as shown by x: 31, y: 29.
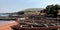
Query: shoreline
x: 8, y: 26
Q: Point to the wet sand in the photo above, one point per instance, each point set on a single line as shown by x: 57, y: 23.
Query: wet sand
x: 8, y: 26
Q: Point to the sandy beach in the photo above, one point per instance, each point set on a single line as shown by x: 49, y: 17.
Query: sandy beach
x: 8, y: 26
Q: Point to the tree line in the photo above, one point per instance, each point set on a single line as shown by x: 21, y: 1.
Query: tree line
x: 51, y: 10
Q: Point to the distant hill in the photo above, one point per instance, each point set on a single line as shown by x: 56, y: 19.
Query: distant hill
x: 33, y: 9
x: 29, y: 10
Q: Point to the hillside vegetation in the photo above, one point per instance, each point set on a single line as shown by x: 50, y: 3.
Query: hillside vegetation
x: 33, y: 9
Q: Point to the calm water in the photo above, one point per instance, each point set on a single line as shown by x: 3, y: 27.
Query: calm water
x: 5, y: 22
x: 3, y: 14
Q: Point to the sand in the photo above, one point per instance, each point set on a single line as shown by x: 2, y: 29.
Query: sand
x: 8, y: 26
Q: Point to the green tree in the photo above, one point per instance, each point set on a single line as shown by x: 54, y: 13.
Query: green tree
x: 20, y: 13
x: 52, y: 10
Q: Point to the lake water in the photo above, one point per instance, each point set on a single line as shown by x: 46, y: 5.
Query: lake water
x: 5, y: 22
x: 3, y: 14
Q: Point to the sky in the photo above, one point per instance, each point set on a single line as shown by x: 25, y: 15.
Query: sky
x: 9, y: 6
